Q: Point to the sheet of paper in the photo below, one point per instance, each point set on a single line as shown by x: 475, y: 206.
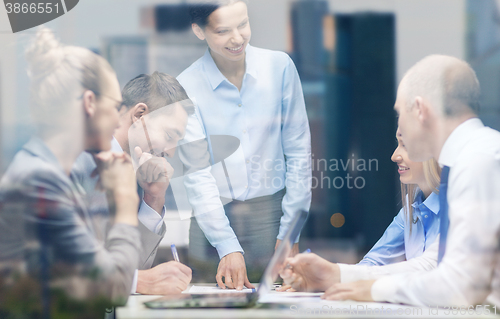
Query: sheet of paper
x: 216, y: 290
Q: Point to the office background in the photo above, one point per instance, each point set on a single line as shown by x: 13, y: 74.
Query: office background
x: 350, y: 54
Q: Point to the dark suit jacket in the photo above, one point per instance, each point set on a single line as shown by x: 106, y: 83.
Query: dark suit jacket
x: 45, y: 228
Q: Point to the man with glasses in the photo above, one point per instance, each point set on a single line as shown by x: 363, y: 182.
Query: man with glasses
x: 153, y: 118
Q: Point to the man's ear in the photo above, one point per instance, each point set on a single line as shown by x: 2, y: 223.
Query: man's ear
x: 89, y: 103
x: 198, y: 31
x: 138, y: 111
x: 421, y: 109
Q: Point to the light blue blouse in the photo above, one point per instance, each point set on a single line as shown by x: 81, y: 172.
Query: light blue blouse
x: 269, y: 118
x: 397, y: 244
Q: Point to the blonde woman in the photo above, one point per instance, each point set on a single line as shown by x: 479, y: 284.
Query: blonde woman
x: 47, y: 236
x: 412, y: 233
x: 416, y: 226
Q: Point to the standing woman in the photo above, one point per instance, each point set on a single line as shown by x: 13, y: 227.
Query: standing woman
x: 256, y: 96
x: 47, y: 236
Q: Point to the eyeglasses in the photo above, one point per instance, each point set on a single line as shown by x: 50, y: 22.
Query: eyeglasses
x: 119, y: 104
x: 185, y: 104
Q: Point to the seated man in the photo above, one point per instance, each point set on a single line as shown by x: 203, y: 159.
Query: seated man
x: 160, y: 103
x: 437, y: 104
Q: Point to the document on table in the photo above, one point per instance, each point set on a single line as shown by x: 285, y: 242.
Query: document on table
x: 217, y: 290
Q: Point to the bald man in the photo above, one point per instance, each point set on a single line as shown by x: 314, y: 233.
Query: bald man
x: 437, y: 104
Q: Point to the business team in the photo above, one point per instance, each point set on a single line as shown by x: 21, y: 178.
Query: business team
x: 72, y: 215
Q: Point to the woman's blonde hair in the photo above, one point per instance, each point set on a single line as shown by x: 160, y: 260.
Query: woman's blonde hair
x: 59, y: 74
x: 432, y: 173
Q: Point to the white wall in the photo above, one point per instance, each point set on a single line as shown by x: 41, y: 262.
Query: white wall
x: 428, y: 26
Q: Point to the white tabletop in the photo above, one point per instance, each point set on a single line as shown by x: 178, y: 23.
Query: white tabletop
x: 296, y: 305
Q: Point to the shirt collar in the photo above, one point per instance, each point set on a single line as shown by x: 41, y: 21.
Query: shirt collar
x: 431, y: 202
x: 456, y: 141
x: 215, y: 76
x: 115, y: 146
x: 251, y: 62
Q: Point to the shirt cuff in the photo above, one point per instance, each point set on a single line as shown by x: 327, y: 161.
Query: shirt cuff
x: 150, y: 217
x: 384, y: 289
x: 133, y: 290
x: 282, y: 233
x: 350, y: 273
x: 229, y: 246
x: 366, y: 262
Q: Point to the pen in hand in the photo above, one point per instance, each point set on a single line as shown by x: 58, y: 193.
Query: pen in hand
x: 307, y: 251
x: 174, y: 253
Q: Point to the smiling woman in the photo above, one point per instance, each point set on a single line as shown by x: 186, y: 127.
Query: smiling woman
x: 416, y: 226
x: 254, y: 95
x: 413, y: 232
x: 415, y: 177
x: 225, y: 26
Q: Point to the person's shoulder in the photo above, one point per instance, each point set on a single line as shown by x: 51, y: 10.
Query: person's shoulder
x: 28, y: 173
x: 480, y: 156
x: 193, y: 78
x: 272, y: 55
x: 484, y: 142
x: 401, y: 216
x: 268, y: 52
x: 191, y: 71
x: 488, y: 132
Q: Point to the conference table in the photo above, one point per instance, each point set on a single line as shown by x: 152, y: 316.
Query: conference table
x: 299, y: 305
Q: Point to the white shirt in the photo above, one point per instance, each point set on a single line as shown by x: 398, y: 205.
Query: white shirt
x: 426, y: 261
x: 469, y: 272
x: 147, y: 215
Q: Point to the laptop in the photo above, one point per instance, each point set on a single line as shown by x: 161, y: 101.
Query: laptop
x: 238, y: 300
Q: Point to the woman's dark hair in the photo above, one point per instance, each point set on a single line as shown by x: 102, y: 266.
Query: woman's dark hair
x: 200, y: 12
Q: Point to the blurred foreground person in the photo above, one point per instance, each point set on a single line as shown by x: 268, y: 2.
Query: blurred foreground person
x: 49, y: 255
